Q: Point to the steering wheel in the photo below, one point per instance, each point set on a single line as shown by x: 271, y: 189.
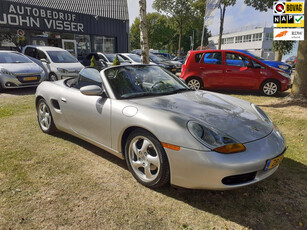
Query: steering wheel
x: 155, y: 84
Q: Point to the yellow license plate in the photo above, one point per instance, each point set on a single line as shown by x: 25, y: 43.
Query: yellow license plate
x: 30, y: 78
x: 173, y: 70
x: 273, y: 162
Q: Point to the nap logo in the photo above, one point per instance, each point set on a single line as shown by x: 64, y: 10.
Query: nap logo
x: 283, y: 19
x: 279, y: 7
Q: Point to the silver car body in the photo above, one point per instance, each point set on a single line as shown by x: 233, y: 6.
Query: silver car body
x: 16, y: 75
x: 62, y: 70
x: 137, y: 59
x: 103, y: 121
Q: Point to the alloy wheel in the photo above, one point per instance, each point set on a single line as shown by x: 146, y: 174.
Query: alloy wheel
x: 270, y: 88
x: 44, y: 116
x: 194, y: 84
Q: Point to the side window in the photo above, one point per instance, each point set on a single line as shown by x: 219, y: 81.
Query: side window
x: 102, y: 57
x: 257, y: 65
x: 30, y: 52
x: 234, y: 59
x: 88, y: 76
x: 213, y: 58
x: 41, y: 55
x: 198, y: 57
x: 125, y: 58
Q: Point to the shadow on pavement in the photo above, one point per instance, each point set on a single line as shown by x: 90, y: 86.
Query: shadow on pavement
x: 251, y: 93
x: 18, y: 92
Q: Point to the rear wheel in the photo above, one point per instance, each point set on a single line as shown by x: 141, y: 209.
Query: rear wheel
x: 270, y: 88
x: 44, y: 117
x: 53, y: 77
x: 195, y: 83
x: 146, y: 159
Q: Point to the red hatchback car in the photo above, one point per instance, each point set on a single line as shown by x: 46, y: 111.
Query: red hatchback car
x: 227, y: 69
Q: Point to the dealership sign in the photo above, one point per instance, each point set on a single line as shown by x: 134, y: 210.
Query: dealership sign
x: 25, y: 16
x: 288, y: 21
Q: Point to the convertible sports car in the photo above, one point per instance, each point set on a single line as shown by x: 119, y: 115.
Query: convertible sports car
x: 167, y: 132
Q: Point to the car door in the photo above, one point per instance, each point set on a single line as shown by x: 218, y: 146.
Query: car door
x: 211, y: 69
x: 88, y: 116
x: 238, y: 72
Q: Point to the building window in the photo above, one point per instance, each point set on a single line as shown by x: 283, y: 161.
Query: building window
x: 108, y: 45
x: 247, y: 38
x: 268, y: 36
x: 83, y: 44
x: 239, y: 39
x: 229, y: 40
x: 257, y: 37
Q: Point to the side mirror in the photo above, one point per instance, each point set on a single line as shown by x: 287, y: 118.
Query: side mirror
x: 92, y: 90
x: 44, y: 60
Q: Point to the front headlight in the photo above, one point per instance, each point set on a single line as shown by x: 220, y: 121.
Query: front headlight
x: 284, y: 67
x: 6, y: 72
x: 61, y: 70
x: 262, y: 114
x: 214, y: 139
x: 284, y: 74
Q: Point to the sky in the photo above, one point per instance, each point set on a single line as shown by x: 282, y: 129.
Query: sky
x: 236, y: 17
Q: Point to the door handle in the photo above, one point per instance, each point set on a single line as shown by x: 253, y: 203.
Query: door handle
x: 63, y: 99
x: 202, y: 68
x: 228, y: 70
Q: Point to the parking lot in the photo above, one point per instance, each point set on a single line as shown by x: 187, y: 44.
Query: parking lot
x: 63, y: 182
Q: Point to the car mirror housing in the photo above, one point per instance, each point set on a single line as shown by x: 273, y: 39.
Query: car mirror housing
x: 44, y: 60
x: 92, y: 90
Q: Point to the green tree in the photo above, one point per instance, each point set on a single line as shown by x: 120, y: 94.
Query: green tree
x: 179, y: 10
x: 223, y: 5
x: 135, y: 35
x: 262, y: 5
x: 116, y: 61
x: 281, y: 48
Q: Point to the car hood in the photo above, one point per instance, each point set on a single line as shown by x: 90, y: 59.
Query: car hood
x: 20, y: 68
x: 274, y: 63
x: 71, y: 67
x: 229, y: 115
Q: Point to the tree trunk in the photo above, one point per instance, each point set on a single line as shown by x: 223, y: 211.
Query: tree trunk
x: 278, y: 56
x: 143, y: 33
x: 299, y: 88
x: 222, y: 16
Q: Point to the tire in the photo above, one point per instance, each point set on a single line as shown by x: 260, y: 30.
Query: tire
x: 146, y: 159
x: 270, y: 88
x: 53, y: 77
x: 195, y: 83
x: 44, y: 117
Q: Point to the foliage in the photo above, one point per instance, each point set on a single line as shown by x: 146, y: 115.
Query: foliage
x: 135, y: 35
x: 12, y: 37
x: 262, y: 5
x: 282, y: 47
x: 116, y: 61
x: 94, y: 62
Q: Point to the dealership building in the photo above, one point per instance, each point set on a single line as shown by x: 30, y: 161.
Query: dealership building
x: 79, y: 26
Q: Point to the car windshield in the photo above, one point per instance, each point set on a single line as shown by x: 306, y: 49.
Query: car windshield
x: 254, y: 56
x: 140, y: 81
x: 135, y: 57
x: 111, y: 57
x: 61, y: 57
x: 155, y: 58
x: 8, y: 57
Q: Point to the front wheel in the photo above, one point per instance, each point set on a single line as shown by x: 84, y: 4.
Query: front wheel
x: 44, y: 117
x: 195, y: 83
x: 146, y: 159
x: 269, y: 88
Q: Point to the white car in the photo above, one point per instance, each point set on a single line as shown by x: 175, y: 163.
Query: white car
x: 58, y: 62
x: 109, y: 58
x: 16, y: 70
x: 132, y: 58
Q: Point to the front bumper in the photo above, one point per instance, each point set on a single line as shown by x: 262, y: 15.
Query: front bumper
x: 12, y: 82
x: 206, y: 170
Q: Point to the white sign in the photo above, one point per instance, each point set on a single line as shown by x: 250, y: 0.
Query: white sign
x: 289, y: 34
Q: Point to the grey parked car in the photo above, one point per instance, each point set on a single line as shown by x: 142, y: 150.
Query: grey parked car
x: 17, y: 70
x: 166, y: 132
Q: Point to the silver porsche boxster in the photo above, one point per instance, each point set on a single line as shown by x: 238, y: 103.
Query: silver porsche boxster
x: 166, y: 132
